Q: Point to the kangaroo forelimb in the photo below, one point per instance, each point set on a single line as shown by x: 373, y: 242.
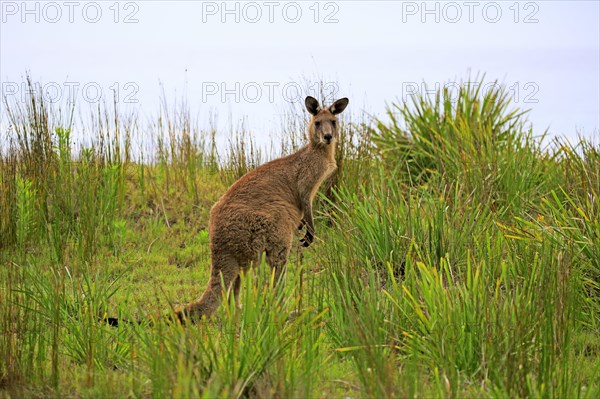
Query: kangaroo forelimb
x: 310, y: 225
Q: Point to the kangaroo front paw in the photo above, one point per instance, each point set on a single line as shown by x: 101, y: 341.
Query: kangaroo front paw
x: 301, y: 225
x: 307, y: 240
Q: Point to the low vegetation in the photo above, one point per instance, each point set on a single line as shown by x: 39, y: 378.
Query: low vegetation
x: 457, y: 255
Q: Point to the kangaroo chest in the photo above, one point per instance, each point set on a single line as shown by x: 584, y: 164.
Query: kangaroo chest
x: 330, y: 167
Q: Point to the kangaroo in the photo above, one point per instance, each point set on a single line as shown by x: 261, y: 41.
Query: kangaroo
x: 261, y: 211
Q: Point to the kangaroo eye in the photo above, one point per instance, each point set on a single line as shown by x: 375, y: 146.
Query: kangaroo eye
x: 318, y: 124
x: 334, y: 123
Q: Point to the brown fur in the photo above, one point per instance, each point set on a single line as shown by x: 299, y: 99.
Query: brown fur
x: 261, y: 211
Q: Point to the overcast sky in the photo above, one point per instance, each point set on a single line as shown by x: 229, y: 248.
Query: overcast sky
x: 248, y: 59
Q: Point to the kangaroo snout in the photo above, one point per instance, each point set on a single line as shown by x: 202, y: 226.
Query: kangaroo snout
x: 327, y: 138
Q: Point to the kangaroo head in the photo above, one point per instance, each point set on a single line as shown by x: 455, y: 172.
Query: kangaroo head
x: 323, y: 127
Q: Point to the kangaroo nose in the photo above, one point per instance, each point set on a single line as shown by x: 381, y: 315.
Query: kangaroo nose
x: 328, y: 137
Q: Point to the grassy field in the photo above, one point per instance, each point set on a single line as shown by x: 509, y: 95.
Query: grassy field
x: 456, y: 256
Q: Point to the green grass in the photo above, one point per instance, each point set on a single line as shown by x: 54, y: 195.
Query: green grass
x: 455, y: 257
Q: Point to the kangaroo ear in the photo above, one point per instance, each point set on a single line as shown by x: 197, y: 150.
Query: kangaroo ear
x: 312, y: 105
x: 338, y: 106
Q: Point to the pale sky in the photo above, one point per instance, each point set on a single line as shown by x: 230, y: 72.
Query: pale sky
x: 248, y: 59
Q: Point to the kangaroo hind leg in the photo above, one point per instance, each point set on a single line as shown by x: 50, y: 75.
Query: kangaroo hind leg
x: 277, y: 257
